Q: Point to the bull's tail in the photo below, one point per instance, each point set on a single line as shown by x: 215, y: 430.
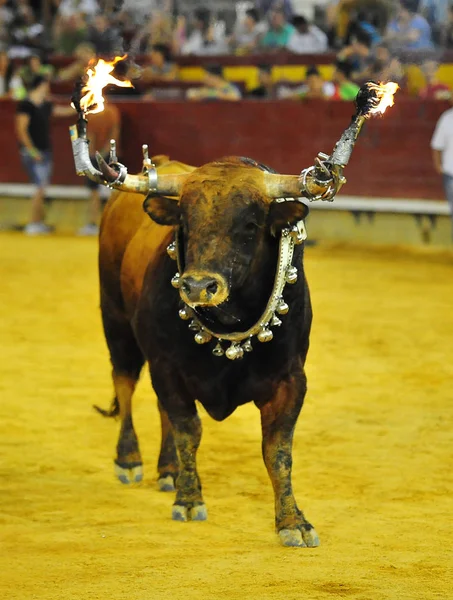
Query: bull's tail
x: 113, y: 411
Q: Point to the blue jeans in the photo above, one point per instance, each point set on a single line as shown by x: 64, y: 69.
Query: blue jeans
x: 39, y: 171
x: 448, y: 187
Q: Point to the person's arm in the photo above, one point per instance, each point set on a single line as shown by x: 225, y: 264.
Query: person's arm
x: 437, y: 160
x: 63, y: 111
x: 22, y: 122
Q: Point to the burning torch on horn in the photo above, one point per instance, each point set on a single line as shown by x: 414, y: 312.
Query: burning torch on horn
x: 318, y: 182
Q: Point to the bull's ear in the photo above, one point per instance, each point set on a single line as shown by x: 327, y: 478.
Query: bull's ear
x: 286, y: 214
x: 162, y: 210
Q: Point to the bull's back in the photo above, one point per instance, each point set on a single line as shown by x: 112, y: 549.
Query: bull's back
x: 129, y: 244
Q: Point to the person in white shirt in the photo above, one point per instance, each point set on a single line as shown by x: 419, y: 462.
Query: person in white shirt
x: 306, y: 39
x: 442, y: 151
x: 207, y: 38
x: 248, y: 32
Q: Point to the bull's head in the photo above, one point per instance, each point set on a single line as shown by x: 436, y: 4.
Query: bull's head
x: 229, y: 224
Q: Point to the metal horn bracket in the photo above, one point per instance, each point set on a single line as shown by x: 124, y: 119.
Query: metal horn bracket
x: 149, y: 169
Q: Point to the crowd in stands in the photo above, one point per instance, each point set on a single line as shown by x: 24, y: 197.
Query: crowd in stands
x: 369, y: 39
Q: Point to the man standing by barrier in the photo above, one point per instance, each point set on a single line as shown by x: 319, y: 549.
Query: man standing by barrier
x: 442, y: 150
x: 33, y: 133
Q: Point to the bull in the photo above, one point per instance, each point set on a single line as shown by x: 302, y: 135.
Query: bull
x: 208, y: 254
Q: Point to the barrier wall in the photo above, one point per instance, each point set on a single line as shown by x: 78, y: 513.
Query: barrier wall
x: 392, y: 157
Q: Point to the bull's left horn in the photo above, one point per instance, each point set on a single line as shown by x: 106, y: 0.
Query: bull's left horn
x: 294, y: 186
x: 166, y: 184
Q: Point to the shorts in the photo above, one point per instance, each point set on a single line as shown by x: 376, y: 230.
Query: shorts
x: 92, y: 185
x: 39, y: 171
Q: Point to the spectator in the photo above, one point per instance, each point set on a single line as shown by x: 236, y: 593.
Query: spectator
x: 265, y: 88
x: 384, y: 67
x: 314, y: 86
x: 162, y: 66
x: 248, y: 33
x: 84, y: 53
x: 267, y: 6
x: 69, y: 8
x: 9, y: 81
x: 33, y: 133
x: 409, y: 30
x: 6, y: 18
x: 442, y: 152
x: 69, y: 33
x: 359, y: 55
x: 279, y: 32
x: 345, y: 89
x: 33, y: 67
x: 216, y: 87
x: 206, y: 38
x: 104, y: 126
x: 104, y: 38
x: 27, y: 35
x: 363, y: 24
x: 306, y: 39
x: 446, y: 36
x: 434, y: 89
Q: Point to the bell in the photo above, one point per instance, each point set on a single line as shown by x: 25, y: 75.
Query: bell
x: 176, y: 280
x: 202, y: 337
x: 247, y: 346
x: 185, y: 313
x: 282, y: 307
x: 265, y: 335
x: 234, y: 352
x: 194, y: 326
x: 218, y: 350
x: 291, y: 275
x: 171, y: 250
x: 275, y: 321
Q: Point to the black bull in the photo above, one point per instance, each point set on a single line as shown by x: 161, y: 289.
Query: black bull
x: 229, y: 237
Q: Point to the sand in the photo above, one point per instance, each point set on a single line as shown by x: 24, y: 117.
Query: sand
x: 373, y: 448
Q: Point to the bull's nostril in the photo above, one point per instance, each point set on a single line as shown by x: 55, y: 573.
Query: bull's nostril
x: 212, y: 288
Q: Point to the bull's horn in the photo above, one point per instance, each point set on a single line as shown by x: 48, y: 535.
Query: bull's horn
x: 290, y: 186
x: 165, y: 184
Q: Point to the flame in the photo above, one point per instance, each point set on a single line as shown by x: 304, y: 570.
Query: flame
x: 98, y: 77
x: 384, y: 93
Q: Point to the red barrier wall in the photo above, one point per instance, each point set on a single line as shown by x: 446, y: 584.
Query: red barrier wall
x: 392, y: 157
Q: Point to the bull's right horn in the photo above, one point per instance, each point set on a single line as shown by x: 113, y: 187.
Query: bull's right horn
x: 164, y: 184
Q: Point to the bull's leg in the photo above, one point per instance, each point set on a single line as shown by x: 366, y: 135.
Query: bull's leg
x: 167, y: 465
x: 127, y: 361
x: 186, y: 427
x: 278, y: 420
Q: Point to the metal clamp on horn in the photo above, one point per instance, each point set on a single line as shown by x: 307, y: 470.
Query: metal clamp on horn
x: 149, y: 168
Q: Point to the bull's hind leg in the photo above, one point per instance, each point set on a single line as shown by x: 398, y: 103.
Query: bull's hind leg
x: 278, y: 420
x: 127, y: 361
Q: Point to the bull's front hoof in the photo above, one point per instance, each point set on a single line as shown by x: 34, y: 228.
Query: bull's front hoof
x: 301, y: 538
x: 166, y: 484
x: 180, y: 512
x: 129, y: 473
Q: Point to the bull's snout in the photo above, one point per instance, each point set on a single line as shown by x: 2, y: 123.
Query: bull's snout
x: 204, y: 289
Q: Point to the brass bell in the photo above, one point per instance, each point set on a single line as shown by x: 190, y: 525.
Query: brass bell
x: 275, y: 321
x: 176, y: 280
x: 247, y: 346
x: 218, y: 350
x: 265, y: 335
x: 234, y: 352
x: 202, y: 337
x: 194, y: 326
x: 171, y: 250
x: 282, y: 307
x: 185, y: 313
x: 291, y: 275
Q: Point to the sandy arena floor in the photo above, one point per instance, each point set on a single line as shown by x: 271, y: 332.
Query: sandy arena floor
x: 373, y: 450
